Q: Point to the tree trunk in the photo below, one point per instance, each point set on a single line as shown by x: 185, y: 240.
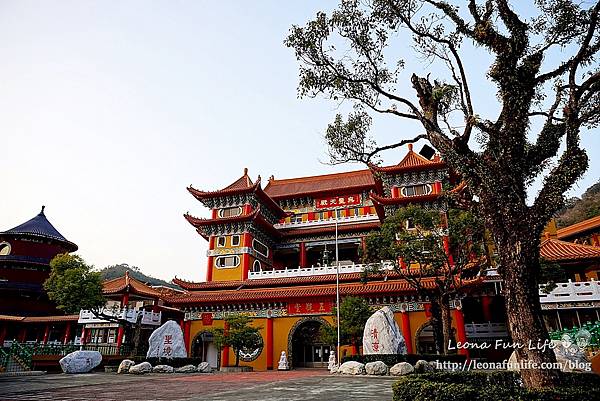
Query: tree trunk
x: 237, y: 357
x: 519, y: 265
x: 446, y: 321
x: 436, y: 326
x: 136, y: 334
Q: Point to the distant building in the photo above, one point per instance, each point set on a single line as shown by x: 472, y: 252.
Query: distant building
x: 26, y: 313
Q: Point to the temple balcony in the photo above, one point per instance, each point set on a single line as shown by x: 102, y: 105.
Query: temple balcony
x: 130, y: 315
x: 311, y: 271
x: 331, y: 220
x: 578, y: 291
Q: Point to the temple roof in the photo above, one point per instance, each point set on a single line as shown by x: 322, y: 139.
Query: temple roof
x: 561, y: 251
x: 128, y: 284
x: 381, y: 200
x: 255, y: 216
x: 579, y: 228
x: 320, y: 184
x: 282, y: 293
x: 39, y: 319
x: 342, y: 228
x: 242, y: 185
x: 39, y: 226
x: 412, y: 162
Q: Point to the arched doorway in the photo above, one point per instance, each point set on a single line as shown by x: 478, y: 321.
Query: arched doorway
x: 424, y: 339
x: 203, y: 347
x: 305, y: 350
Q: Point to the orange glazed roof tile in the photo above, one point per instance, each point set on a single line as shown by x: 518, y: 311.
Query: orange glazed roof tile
x: 291, y: 187
x: 256, y: 294
x: 39, y: 319
x: 294, y: 232
x: 578, y: 228
x: 242, y: 182
x: 556, y: 250
x: 128, y: 284
x: 381, y: 200
x: 412, y: 162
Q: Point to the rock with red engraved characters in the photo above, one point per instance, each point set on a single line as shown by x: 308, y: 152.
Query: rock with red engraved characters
x: 167, y: 342
x: 382, y: 334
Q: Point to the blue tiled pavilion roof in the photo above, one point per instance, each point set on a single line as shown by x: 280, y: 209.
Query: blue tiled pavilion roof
x: 40, y: 226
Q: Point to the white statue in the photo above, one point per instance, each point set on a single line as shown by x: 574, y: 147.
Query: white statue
x: 283, y: 362
x: 332, y: 364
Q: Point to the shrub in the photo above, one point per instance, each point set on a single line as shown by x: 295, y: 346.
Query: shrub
x: 492, y: 386
x: 392, y: 359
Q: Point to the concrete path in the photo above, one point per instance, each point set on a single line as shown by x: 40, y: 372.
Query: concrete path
x: 297, y: 385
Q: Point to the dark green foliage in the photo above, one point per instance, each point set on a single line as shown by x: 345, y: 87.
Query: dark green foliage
x: 115, y: 271
x: 550, y: 274
x: 240, y: 335
x: 492, y: 386
x: 392, y: 359
x: 354, y: 312
x: 73, y: 285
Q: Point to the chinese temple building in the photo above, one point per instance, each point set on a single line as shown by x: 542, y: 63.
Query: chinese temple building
x: 26, y: 313
x: 272, y: 256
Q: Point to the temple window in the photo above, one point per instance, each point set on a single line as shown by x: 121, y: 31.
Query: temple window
x: 227, y: 261
x: 416, y: 190
x: 256, y: 266
x: 230, y: 212
x: 260, y: 248
x: 4, y: 248
x: 235, y: 240
x: 221, y: 241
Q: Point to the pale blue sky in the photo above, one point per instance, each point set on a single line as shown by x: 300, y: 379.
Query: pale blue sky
x: 108, y: 110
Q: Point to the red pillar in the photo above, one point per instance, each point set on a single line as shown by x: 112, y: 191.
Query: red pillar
x: 246, y: 256
x: 225, y: 357
x: 67, y: 333
x: 187, y: 326
x: 354, y: 349
x: 2, y: 336
x: 447, y: 249
x: 269, y: 343
x: 406, y: 332
x: 209, y: 267
x: 83, y: 334
x: 247, y: 209
x: 46, y: 334
x: 461, y: 333
x: 23, y: 334
x: 302, y: 254
x: 486, y: 301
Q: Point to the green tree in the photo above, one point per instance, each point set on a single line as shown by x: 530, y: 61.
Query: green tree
x: 435, y: 252
x: 73, y: 285
x: 356, y: 54
x: 239, y: 335
x: 354, y: 312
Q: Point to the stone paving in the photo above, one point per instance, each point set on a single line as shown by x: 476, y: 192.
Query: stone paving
x: 297, y: 385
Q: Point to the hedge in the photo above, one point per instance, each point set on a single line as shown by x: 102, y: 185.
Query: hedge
x: 492, y: 386
x: 392, y: 359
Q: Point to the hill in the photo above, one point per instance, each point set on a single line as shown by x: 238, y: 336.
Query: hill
x: 579, y: 209
x: 119, y: 270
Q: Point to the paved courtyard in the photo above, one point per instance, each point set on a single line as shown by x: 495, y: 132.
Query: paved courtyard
x: 265, y: 386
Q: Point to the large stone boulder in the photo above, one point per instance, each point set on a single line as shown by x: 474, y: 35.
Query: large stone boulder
x: 376, y: 368
x: 125, y: 365
x: 423, y: 366
x: 140, y: 368
x: 162, y: 369
x: 401, y: 369
x: 186, y: 369
x: 569, y: 355
x: 382, y: 334
x: 352, y: 368
x: 167, y: 342
x: 204, y: 367
x: 80, y: 361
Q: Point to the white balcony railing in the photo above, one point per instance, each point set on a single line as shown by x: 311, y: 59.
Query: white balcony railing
x: 486, y: 330
x: 328, y: 221
x: 311, y: 271
x: 130, y: 315
x: 578, y: 291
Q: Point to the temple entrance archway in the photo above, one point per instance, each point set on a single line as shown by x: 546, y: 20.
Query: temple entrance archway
x: 424, y: 339
x: 305, y: 350
x: 203, y: 347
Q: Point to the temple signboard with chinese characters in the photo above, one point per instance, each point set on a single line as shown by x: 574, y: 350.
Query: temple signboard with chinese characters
x: 313, y: 307
x: 338, y: 201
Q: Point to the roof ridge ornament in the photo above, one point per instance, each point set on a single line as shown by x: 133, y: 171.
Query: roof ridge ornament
x: 42, y: 211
